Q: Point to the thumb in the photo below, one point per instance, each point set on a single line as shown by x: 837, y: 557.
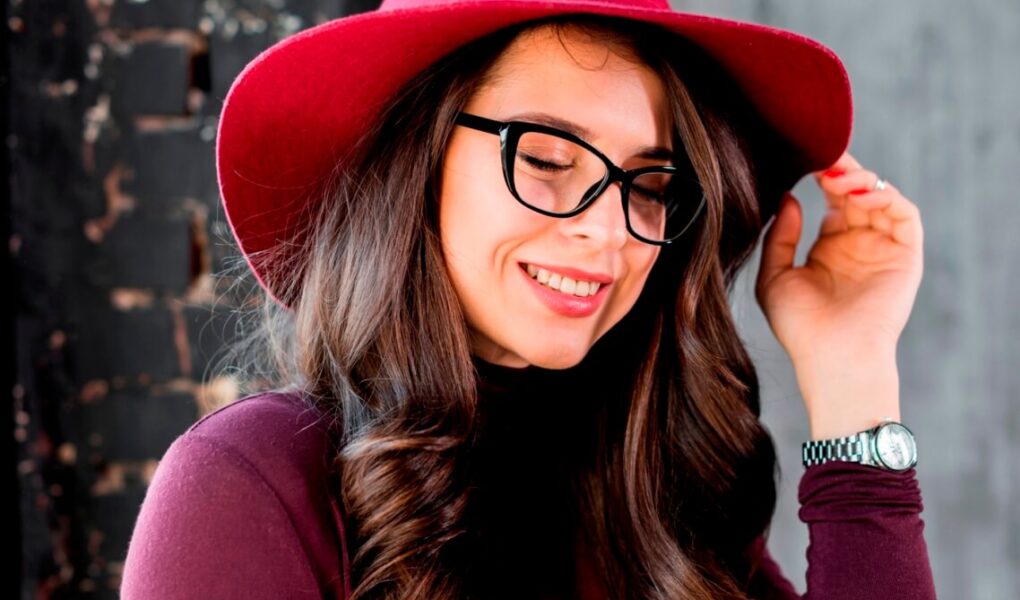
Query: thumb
x: 780, y: 244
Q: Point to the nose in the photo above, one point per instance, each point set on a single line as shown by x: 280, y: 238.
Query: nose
x: 602, y: 223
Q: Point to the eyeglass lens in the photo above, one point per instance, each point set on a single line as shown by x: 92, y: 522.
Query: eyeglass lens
x: 556, y: 175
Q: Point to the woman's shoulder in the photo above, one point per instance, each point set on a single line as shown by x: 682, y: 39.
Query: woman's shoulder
x: 249, y: 485
x: 278, y: 433
x: 267, y: 426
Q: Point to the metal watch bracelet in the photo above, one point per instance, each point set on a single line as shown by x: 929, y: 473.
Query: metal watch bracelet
x: 890, y: 445
x: 848, y: 448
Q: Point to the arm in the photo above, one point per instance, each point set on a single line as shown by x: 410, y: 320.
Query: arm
x: 866, y: 533
x: 866, y: 537
x: 211, y: 527
x: 839, y: 317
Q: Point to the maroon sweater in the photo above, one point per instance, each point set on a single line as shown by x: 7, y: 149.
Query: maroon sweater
x: 242, y: 506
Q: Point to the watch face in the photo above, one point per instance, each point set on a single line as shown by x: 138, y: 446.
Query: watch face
x: 896, y: 447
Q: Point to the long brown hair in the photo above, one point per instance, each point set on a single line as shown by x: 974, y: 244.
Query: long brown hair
x: 682, y: 475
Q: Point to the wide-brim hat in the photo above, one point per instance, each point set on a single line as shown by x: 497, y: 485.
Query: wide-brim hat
x: 297, y: 108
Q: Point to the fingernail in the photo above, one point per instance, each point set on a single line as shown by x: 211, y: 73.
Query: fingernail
x: 859, y: 192
x: 834, y: 172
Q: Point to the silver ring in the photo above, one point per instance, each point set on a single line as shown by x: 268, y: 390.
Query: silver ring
x: 879, y: 185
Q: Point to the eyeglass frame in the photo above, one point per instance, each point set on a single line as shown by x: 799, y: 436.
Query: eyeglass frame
x: 510, y: 133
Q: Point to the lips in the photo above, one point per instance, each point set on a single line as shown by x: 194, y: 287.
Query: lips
x: 567, y: 305
x: 562, y: 284
x: 571, y: 272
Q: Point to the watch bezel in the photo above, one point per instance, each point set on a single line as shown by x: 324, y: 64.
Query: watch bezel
x: 876, y: 456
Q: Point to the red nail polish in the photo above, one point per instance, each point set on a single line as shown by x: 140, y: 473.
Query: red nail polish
x: 834, y: 172
x: 859, y: 192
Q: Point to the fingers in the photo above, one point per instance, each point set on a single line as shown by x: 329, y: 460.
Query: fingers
x: 833, y: 222
x: 880, y: 221
x: 884, y: 210
x: 845, y: 163
x: 837, y: 185
x: 860, y: 210
x: 853, y: 201
x: 779, y: 247
x: 890, y: 210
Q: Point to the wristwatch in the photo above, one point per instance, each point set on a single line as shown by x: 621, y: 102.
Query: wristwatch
x: 889, y: 445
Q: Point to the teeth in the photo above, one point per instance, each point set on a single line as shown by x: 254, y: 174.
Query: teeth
x: 563, y: 284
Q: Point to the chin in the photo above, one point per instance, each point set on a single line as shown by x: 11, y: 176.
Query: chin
x: 533, y: 348
x: 556, y: 358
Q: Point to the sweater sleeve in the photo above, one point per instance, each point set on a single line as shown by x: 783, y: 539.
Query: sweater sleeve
x: 212, y: 527
x: 865, y: 537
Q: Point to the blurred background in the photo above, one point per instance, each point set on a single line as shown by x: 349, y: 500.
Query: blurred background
x: 117, y: 244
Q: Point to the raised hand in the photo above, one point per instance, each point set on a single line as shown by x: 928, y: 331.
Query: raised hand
x: 841, y: 313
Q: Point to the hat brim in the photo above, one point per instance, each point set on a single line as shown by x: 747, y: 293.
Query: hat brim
x: 279, y: 133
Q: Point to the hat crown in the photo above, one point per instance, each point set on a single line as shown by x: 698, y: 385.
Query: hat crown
x: 419, y: 4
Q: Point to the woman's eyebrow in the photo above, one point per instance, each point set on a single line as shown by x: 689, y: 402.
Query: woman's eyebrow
x: 652, y: 152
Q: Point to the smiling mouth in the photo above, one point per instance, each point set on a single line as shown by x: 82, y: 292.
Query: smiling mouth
x: 561, y: 283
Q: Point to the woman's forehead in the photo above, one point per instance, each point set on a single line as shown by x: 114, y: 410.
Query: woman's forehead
x: 575, y: 78
x: 590, y: 51
x: 548, y: 49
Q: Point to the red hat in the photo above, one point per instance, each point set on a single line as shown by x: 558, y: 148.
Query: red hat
x: 296, y: 107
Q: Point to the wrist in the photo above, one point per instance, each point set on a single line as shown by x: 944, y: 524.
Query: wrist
x: 847, y: 396
x: 827, y: 429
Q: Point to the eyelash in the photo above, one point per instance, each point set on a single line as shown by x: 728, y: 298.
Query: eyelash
x: 544, y: 165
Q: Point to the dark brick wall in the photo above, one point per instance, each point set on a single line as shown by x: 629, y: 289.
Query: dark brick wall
x: 116, y: 237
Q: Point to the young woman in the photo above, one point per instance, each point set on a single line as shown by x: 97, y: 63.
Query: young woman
x: 499, y: 239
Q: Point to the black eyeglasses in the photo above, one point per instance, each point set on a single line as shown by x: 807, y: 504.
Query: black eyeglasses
x: 558, y: 174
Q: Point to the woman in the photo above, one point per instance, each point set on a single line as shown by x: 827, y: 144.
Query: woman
x: 504, y: 248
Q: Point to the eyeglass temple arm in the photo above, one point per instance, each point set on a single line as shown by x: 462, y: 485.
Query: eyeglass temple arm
x: 479, y: 123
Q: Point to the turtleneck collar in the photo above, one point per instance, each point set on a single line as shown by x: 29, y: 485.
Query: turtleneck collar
x: 523, y: 468
x: 532, y: 399
x: 506, y: 378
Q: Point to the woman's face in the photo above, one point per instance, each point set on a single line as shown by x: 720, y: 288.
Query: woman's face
x: 489, y: 238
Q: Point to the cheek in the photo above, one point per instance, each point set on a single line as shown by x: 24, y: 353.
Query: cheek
x: 649, y: 261
x: 473, y: 228
x: 459, y: 216
x: 639, y: 266
x: 455, y: 230
x: 480, y: 222
x: 465, y: 195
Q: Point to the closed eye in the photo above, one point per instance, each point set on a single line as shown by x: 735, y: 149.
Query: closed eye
x: 543, y: 165
x: 651, y: 194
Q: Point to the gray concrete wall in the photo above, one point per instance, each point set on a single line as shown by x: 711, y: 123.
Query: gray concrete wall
x: 937, y: 93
